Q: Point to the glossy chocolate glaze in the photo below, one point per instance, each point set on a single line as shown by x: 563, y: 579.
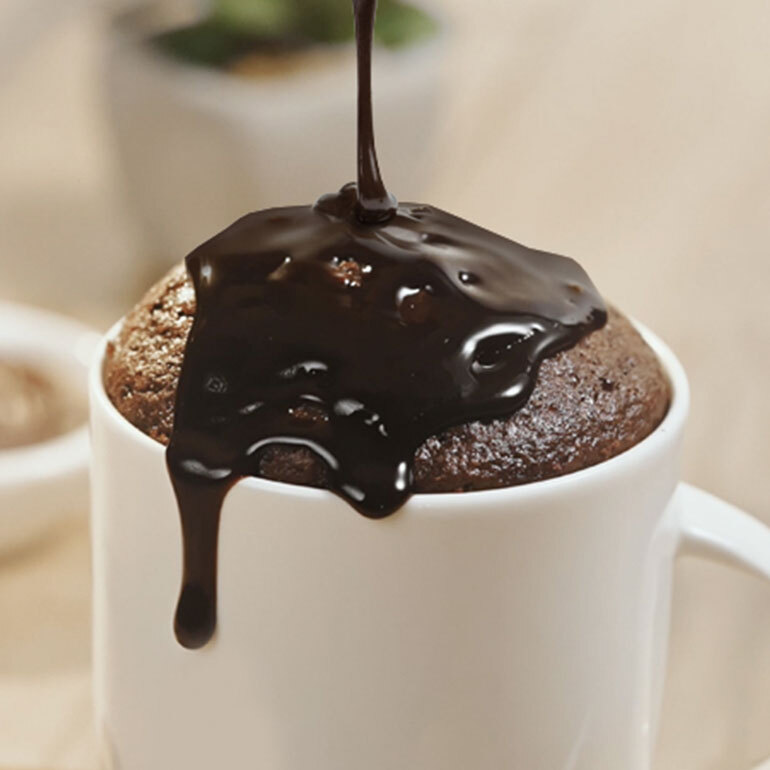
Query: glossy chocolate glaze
x: 357, y: 328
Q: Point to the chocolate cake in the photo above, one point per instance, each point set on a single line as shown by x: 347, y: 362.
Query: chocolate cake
x: 591, y: 402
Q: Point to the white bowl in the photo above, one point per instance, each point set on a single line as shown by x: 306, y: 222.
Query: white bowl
x: 42, y: 483
x: 199, y: 147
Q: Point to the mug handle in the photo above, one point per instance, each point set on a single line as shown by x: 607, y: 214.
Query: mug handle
x: 713, y: 529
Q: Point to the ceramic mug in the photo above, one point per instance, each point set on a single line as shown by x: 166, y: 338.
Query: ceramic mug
x: 521, y: 628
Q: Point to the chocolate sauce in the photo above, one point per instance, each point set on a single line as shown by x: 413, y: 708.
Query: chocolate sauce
x: 356, y: 328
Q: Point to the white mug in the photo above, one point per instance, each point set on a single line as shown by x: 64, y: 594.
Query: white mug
x: 522, y: 628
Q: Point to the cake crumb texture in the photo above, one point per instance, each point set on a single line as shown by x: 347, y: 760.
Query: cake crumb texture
x: 590, y: 403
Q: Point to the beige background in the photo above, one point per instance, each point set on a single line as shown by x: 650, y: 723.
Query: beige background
x: 633, y: 136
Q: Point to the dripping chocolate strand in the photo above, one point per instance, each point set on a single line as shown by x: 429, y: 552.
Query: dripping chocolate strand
x: 375, y: 204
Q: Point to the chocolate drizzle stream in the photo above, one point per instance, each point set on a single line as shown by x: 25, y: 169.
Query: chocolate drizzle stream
x: 375, y: 203
x: 356, y: 328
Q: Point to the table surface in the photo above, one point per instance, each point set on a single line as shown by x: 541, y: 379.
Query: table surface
x: 632, y: 136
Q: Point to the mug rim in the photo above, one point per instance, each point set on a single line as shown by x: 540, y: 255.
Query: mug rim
x: 670, y: 427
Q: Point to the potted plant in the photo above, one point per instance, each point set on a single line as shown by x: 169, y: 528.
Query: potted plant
x: 238, y: 31
x: 252, y: 104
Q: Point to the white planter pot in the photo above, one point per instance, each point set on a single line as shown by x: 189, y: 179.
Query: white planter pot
x: 199, y: 147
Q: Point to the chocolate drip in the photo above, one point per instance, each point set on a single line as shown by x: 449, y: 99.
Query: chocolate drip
x: 356, y: 328
x: 200, y: 497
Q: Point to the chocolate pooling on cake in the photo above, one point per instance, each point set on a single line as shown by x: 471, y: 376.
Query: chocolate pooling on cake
x: 355, y: 328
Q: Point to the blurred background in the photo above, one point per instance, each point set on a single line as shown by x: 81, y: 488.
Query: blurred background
x: 633, y: 136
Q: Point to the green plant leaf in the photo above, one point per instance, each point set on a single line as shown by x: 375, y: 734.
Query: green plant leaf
x: 262, y: 18
x: 400, y: 24
x: 208, y: 43
x: 326, y: 21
